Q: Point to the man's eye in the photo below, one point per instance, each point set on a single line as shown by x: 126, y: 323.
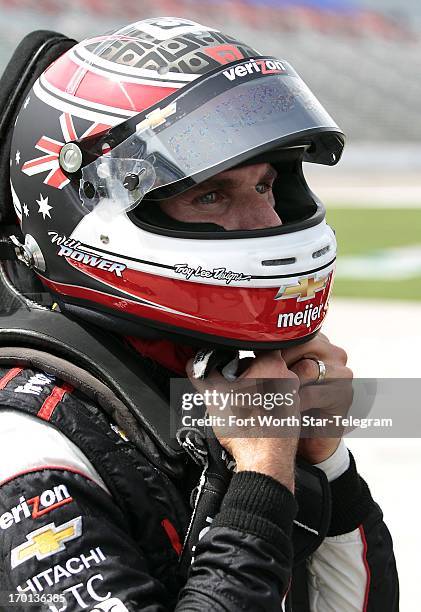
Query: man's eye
x: 208, y: 198
x: 263, y: 187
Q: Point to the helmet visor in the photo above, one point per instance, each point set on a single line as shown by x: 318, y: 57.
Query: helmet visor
x: 217, y: 122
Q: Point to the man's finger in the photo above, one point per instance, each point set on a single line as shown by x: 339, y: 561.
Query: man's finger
x: 318, y: 348
x: 335, y: 396
x: 307, y: 370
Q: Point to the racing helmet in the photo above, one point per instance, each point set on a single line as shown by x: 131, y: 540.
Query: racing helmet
x: 121, y: 122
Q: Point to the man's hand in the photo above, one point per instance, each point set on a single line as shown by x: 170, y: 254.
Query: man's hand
x: 274, y: 457
x: 325, y: 398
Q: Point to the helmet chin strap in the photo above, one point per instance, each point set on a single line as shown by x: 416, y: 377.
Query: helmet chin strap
x: 224, y: 360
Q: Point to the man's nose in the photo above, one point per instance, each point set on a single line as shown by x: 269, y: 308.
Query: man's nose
x: 259, y: 214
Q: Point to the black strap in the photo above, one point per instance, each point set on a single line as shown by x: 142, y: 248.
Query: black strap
x: 7, y: 251
x: 101, y: 354
x: 312, y: 494
x: 299, y: 589
x: 95, y: 390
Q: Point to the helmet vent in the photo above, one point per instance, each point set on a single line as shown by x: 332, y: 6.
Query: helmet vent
x: 279, y: 262
x: 321, y: 252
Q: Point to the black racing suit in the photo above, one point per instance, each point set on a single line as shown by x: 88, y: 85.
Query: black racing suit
x: 106, y: 532
x: 92, y: 519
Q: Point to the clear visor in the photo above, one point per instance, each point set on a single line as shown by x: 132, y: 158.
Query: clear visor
x: 243, y: 110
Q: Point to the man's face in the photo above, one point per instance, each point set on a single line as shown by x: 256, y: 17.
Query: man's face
x: 238, y: 199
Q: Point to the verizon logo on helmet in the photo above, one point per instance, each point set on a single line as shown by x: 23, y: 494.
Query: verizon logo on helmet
x: 264, y: 66
x: 41, y: 504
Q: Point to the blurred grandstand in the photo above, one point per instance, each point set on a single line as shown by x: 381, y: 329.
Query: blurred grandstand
x: 346, y: 50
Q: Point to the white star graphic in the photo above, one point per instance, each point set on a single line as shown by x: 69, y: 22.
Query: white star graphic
x: 17, y: 157
x: 44, y: 208
x: 27, y: 101
x: 25, y: 210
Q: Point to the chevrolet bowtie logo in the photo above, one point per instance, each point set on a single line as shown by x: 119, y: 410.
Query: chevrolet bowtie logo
x: 304, y: 290
x: 46, y: 541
